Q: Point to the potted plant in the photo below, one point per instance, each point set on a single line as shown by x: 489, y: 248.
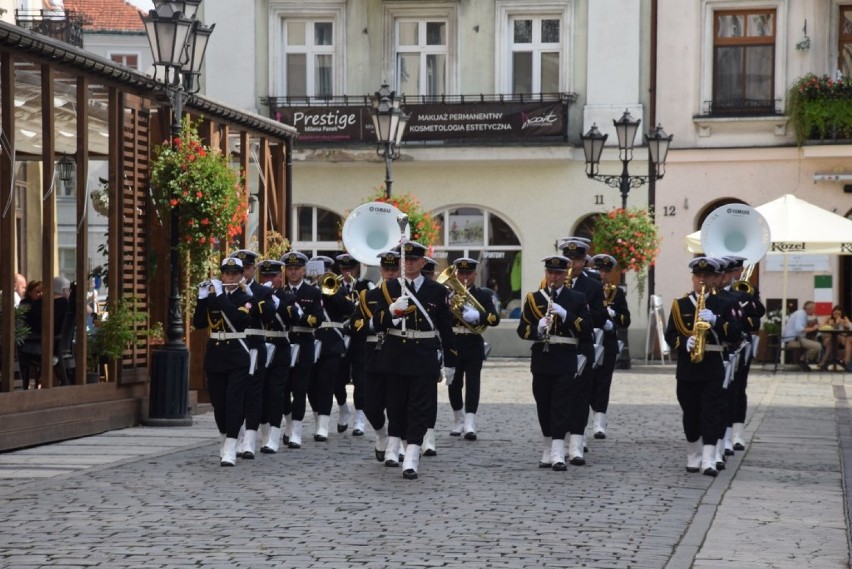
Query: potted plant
x: 112, y: 335
x: 820, y: 107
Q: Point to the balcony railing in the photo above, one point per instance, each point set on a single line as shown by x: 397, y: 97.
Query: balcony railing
x: 743, y: 108
x: 62, y: 25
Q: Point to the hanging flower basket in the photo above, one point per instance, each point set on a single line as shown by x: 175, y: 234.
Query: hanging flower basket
x: 100, y: 198
x: 631, y: 236
x: 424, y: 227
x: 209, y: 196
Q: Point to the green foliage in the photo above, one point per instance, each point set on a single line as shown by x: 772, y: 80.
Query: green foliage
x: 772, y: 323
x: 114, y: 334
x: 632, y: 237
x: 820, y: 107
x: 21, y: 328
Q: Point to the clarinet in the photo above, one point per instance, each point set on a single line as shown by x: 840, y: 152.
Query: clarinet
x: 549, y: 316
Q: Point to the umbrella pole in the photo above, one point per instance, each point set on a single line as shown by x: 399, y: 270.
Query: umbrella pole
x: 783, y: 309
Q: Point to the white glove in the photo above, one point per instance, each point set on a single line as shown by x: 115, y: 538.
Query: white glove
x: 542, y: 326
x: 299, y: 311
x: 276, y: 301
x: 470, y: 314
x: 610, y: 311
x: 203, y: 291
x: 399, y: 305
x: 248, y: 291
x: 268, y: 284
x: 690, y: 343
x: 559, y: 311
x: 607, y: 325
x: 217, y: 286
x: 708, y: 316
x: 449, y: 375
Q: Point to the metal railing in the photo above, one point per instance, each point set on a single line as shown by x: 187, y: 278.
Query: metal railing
x: 62, y: 25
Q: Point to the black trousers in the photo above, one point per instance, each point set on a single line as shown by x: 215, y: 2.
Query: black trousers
x: 578, y: 397
x: 227, y: 394
x: 274, y: 384
x: 254, y: 398
x: 470, y: 369
x: 321, y: 385
x: 739, y: 404
x: 412, y: 403
x: 344, y: 368
x: 373, y: 392
x: 296, y: 388
x: 601, y: 383
x: 702, y: 403
x: 551, y: 394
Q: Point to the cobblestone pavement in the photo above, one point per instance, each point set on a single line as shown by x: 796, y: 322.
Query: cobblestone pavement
x: 148, y: 497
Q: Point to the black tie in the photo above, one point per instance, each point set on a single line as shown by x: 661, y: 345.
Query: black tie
x: 348, y: 289
x: 410, y: 285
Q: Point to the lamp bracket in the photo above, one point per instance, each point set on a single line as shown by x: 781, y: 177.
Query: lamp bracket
x: 616, y: 181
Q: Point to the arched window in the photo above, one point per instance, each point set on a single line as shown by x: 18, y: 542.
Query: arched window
x: 710, y: 207
x: 482, y: 235
x: 316, y: 230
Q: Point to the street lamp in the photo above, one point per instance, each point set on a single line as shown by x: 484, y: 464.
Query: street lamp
x: 625, y: 128
x: 389, y: 122
x: 178, y: 44
x: 65, y: 171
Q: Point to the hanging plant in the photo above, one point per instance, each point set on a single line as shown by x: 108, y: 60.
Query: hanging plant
x: 424, y: 227
x: 100, y: 198
x: 631, y: 236
x: 210, y: 198
x: 820, y: 107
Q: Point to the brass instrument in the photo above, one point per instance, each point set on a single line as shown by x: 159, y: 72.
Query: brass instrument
x: 609, y: 293
x: 329, y: 283
x: 699, y: 330
x: 372, y: 229
x: 741, y: 231
x: 227, y: 287
x: 461, y: 297
x: 548, y: 314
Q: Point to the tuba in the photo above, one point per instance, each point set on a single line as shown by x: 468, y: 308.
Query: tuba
x: 371, y: 229
x: 737, y: 229
x: 460, y: 297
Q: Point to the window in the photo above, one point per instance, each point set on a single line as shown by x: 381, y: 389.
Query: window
x: 67, y: 262
x: 130, y: 60
x: 535, y: 48
x: 308, y: 58
x: 316, y: 230
x: 743, y: 62
x: 421, y: 57
x: 484, y: 236
x: 844, y: 58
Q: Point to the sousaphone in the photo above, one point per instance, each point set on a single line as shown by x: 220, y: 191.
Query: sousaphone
x: 736, y: 229
x: 372, y: 229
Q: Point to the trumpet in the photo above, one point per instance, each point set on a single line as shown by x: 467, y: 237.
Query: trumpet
x: 329, y: 283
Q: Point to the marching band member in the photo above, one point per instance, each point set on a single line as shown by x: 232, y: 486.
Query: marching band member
x: 256, y: 340
x: 700, y: 369
x: 286, y: 311
x: 352, y: 364
x: 575, y: 249
x: 376, y: 360
x: 336, y: 308
x: 418, y: 325
x: 556, y: 319
x: 301, y: 332
x: 227, y: 311
x: 471, y: 348
x: 615, y: 301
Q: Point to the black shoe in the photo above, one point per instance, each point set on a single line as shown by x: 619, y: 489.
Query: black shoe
x: 293, y: 445
x: 401, y: 457
x: 804, y: 366
x: 585, y: 448
x: 430, y: 452
x: 739, y: 446
x: 692, y: 469
x: 559, y: 467
x: 578, y: 461
x: 357, y: 433
x: 380, y: 455
x: 320, y: 438
x: 471, y: 436
x: 545, y: 465
x: 285, y: 439
x: 409, y: 474
x: 710, y: 472
x: 247, y: 456
x: 729, y: 452
x: 391, y: 463
x: 266, y: 450
x: 600, y: 435
x: 720, y: 466
x: 454, y: 434
x: 342, y: 428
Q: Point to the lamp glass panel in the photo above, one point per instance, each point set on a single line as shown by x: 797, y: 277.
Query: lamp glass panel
x: 383, y: 125
x: 166, y: 37
x: 296, y: 75
x: 522, y: 69
x: 400, y: 129
x: 296, y: 33
x: 199, y: 48
x: 549, y: 72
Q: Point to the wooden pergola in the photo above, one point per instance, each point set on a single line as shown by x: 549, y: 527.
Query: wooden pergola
x: 56, y: 99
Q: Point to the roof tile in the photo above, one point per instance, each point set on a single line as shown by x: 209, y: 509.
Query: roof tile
x: 108, y: 15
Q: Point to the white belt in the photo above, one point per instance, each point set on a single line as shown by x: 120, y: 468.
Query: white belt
x: 463, y: 330
x: 414, y: 334
x: 331, y: 325
x: 302, y: 329
x: 560, y: 340
x: 276, y: 334
x: 255, y: 332
x: 713, y: 348
x: 372, y: 339
x: 227, y: 335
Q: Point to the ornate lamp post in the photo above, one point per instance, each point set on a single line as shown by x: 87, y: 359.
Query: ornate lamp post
x: 389, y: 121
x: 178, y: 43
x: 625, y: 128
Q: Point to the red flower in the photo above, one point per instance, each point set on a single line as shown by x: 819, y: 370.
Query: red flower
x: 173, y: 202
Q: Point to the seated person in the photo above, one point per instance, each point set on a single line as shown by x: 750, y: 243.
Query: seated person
x: 796, y: 331
x: 837, y: 321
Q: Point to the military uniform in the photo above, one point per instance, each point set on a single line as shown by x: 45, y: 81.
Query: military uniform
x: 309, y: 302
x: 700, y: 384
x: 619, y: 314
x: 226, y: 312
x: 556, y: 336
x: 471, y: 348
x: 413, y: 355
